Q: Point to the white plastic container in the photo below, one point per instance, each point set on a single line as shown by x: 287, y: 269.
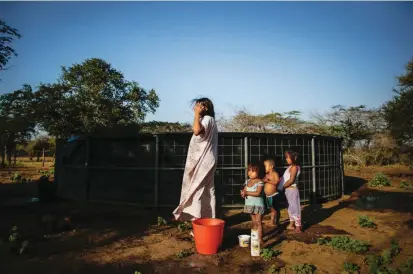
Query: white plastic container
x: 255, y: 244
x: 244, y: 240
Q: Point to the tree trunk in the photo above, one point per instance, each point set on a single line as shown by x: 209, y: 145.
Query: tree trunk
x: 3, y: 156
x: 15, y: 156
x: 43, y: 158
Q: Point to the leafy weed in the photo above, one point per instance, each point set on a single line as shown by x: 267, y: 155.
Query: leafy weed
x: 379, y: 180
x: 303, y: 269
x: 350, y: 268
x: 161, y: 221
x: 184, y: 253
x: 267, y: 254
x: 346, y: 244
x: 365, y: 221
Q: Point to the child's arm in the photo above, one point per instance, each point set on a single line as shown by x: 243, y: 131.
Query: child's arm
x: 256, y: 193
x: 293, y: 172
x: 197, y: 127
x: 274, y: 179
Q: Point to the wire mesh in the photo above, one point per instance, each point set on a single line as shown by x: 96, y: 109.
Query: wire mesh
x: 148, y: 169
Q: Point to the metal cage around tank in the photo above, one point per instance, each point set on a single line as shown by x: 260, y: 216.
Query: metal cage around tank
x: 147, y: 170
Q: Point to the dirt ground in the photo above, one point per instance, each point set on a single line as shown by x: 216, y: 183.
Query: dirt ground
x: 120, y: 239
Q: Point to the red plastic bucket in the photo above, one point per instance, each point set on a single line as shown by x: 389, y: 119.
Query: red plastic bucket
x: 208, y: 234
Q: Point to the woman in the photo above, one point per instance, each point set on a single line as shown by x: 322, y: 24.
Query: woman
x: 198, y: 191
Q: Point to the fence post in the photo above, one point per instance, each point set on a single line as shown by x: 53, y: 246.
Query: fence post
x: 314, y: 191
x: 156, y: 170
x: 342, y: 169
x: 246, y: 157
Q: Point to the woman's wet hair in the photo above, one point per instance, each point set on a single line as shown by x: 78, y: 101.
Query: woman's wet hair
x: 294, y: 155
x: 207, y: 104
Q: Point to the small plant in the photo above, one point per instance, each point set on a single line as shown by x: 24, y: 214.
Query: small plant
x: 394, y: 248
x: 379, y: 180
x: 185, y: 226
x: 350, y: 268
x: 184, y: 253
x: 323, y: 241
x: 405, y: 184
x: 365, y: 221
x: 386, y: 257
x: 407, y: 268
x: 274, y: 269
x: 161, y: 221
x: 137, y: 272
x: 14, y: 234
x: 267, y: 253
x: 303, y: 269
x: 46, y: 173
x: 374, y: 262
x: 346, y: 244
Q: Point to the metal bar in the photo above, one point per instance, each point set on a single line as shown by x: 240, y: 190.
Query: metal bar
x: 156, y: 171
x: 246, y: 160
x: 342, y: 170
x: 314, y: 191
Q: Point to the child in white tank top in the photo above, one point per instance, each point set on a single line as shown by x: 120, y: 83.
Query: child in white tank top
x: 289, y: 183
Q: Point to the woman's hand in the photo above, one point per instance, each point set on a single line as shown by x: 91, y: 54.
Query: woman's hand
x: 198, y: 108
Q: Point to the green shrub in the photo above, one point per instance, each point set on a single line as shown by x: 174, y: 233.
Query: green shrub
x: 351, y: 268
x: 323, y: 241
x: 405, y: 184
x: 365, y: 221
x: 267, y: 253
x: 303, y: 269
x: 346, y: 244
x: 407, y: 267
x: 185, y: 226
x: 274, y: 269
x: 184, y: 253
x: 379, y: 180
x: 161, y: 221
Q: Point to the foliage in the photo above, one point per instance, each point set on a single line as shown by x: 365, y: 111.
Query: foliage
x: 17, y: 123
x: 267, y: 253
x: 160, y: 127
x: 365, y: 221
x: 90, y: 96
x: 47, y: 173
x: 161, y: 221
x: 379, y: 180
x: 405, y: 184
x: 274, y: 269
x: 407, y: 268
x: 14, y: 234
x: 351, y: 268
x: 185, y: 226
x: 138, y: 272
x: 346, y: 244
x: 184, y: 253
x: 323, y: 240
x: 303, y: 269
x: 7, y: 36
x: 378, y: 263
x: 398, y: 112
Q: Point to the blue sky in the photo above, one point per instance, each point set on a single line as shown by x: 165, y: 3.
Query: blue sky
x: 264, y: 56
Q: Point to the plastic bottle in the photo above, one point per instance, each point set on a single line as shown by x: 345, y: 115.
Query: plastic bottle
x: 255, y: 243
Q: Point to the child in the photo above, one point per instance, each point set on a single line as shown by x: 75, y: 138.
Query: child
x: 271, y: 181
x: 289, y: 182
x: 254, y: 203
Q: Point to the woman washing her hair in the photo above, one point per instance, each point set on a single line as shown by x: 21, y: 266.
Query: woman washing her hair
x: 198, y: 191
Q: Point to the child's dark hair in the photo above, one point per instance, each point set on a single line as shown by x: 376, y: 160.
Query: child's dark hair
x: 270, y: 161
x: 294, y: 155
x: 254, y: 167
x: 207, y: 104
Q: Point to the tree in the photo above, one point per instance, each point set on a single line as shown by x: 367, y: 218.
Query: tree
x: 162, y: 127
x: 90, y: 96
x: 7, y: 36
x: 17, y: 120
x: 356, y: 125
x: 399, y: 111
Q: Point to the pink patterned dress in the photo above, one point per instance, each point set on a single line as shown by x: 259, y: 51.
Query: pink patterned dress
x: 198, y: 190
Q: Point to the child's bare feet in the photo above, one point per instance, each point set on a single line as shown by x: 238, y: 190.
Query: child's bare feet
x: 297, y: 230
